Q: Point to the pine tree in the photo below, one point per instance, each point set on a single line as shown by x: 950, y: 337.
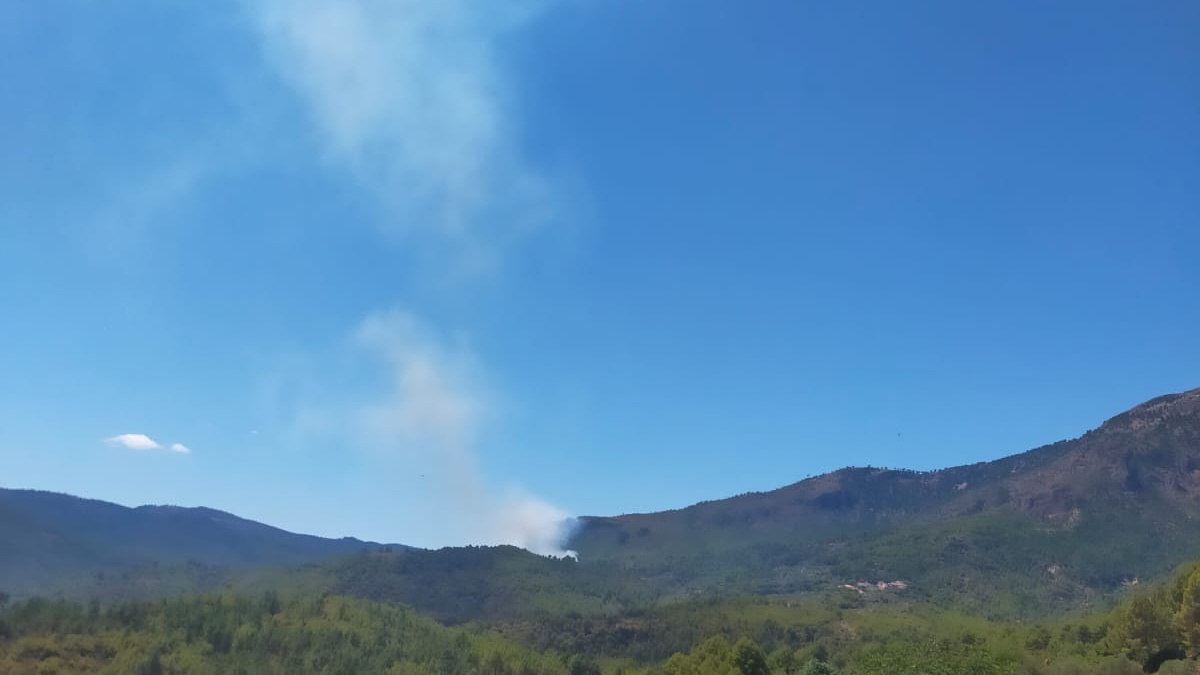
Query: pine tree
x: 1187, y: 617
x: 749, y: 658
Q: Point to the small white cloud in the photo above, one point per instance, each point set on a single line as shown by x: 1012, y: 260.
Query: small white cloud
x: 134, y: 442
x: 145, y: 443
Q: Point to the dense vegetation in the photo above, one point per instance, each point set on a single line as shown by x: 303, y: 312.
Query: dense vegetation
x: 231, y: 635
x: 1001, y: 566
x: 1156, y: 631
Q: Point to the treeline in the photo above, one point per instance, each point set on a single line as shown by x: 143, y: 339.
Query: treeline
x: 1154, y: 632
x: 1161, y: 626
x: 966, y: 653
x: 231, y: 635
x: 716, y: 656
x: 228, y: 634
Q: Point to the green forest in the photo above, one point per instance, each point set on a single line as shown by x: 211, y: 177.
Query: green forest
x: 1154, y: 630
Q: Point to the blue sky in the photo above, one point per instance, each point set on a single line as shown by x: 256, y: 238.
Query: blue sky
x: 445, y: 272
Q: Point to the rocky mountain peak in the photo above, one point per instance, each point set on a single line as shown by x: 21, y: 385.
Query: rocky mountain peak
x: 1155, y: 412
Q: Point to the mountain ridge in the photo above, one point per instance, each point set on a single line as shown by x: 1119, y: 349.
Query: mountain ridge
x: 1148, y: 413
x: 1120, y: 501
x: 1061, y: 527
x: 1145, y: 416
x: 52, y: 540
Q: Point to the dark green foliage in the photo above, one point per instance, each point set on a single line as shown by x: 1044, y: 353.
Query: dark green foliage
x: 581, y: 665
x: 933, y: 658
x: 749, y: 659
x: 817, y: 667
x: 1144, y: 632
x: 1177, y: 667
x: 268, y: 634
x: 713, y: 657
x: 1186, y: 619
x: 1159, y: 626
x: 228, y: 634
x: 474, y: 583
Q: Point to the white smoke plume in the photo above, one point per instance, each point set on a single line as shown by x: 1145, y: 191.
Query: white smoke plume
x: 435, y: 403
x: 538, y: 526
x: 410, y: 99
x: 409, y: 96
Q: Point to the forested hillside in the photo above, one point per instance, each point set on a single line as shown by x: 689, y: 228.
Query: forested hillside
x: 232, y: 635
x: 1055, y: 529
x: 326, y: 635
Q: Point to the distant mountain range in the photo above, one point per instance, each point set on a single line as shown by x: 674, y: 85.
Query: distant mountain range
x: 1058, y: 528
x: 54, y: 543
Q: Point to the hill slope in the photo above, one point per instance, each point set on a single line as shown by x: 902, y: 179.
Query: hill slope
x: 1052, y: 528
x: 53, y: 541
